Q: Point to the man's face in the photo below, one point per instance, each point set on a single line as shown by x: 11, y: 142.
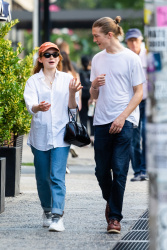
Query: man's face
x: 134, y: 44
x: 100, y: 38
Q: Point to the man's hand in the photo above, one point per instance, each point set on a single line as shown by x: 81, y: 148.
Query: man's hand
x: 117, y: 125
x: 99, y: 81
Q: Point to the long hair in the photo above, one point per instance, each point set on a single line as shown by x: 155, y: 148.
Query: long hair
x: 38, y: 66
x: 66, y: 63
x: 107, y: 24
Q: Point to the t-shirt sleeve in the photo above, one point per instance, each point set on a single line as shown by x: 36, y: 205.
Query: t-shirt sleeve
x: 138, y: 75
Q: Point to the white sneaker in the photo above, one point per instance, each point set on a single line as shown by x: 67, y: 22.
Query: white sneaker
x: 57, y: 225
x: 47, y: 219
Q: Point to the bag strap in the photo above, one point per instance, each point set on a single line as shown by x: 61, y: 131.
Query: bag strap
x: 70, y: 114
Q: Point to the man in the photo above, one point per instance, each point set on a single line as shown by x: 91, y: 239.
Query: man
x: 117, y: 78
x: 134, y: 39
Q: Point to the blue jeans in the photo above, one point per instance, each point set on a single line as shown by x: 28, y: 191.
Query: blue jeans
x: 138, y: 151
x: 112, y: 151
x: 50, y: 170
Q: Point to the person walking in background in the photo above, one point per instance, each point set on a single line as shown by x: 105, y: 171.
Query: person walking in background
x: 64, y: 46
x: 134, y: 40
x: 117, y: 77
x: 48, y: 94
x: 86, y: 101
x: 68, y: 68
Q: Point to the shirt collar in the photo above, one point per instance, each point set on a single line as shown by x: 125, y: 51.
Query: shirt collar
x: 42, y: 76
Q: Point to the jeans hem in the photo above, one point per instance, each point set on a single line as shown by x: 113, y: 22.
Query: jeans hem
x: 47, y: 209
x: 114, y: 218
x: 57, y: 211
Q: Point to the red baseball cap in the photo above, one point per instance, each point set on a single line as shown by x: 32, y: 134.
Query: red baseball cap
x: 46, y: 46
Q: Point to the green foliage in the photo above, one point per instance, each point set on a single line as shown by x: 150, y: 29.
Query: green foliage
x: 99, y: 4
x: 14, y: 72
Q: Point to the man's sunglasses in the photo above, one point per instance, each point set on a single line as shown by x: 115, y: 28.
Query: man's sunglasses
x: 48, y: 55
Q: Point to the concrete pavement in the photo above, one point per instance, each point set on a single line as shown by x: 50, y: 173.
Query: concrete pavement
x: 84, y: 220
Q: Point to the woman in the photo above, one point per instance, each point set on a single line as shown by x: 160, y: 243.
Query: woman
x: 88, y: 105
x: 68, y: 68
x: 48, y: 94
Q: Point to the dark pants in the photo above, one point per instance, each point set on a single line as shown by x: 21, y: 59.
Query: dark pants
x: 112, y: 151
x: 138, y: 148
x: 84, y: 116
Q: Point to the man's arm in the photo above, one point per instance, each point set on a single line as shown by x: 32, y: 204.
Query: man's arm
x: 118, y: 123
x: 94, y: 90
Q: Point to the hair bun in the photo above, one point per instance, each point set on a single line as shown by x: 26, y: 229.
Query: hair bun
x: 117, y: 19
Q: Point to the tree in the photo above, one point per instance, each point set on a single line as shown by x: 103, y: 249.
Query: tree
x: 14, y: 72
x: 97, y: 4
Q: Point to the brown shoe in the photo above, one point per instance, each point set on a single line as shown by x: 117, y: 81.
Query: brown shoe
x: 107, y: 211
x: 114, y: 226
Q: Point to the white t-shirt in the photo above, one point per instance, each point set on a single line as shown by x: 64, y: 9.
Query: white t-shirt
x: 123, y: 71
x: 47, y: 128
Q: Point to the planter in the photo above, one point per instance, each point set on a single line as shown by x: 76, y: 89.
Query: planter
x: 15, y: 141
x: 13, y: 156
x: 2, y: 183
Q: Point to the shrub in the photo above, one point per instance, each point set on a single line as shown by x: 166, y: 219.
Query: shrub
x: 14, y: 72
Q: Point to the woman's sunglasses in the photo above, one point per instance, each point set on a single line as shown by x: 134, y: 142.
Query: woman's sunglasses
x: 48, y: 55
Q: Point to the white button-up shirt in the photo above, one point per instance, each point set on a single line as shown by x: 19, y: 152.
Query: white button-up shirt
x: 47, y: 128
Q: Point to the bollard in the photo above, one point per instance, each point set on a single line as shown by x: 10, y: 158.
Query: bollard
x: 2, y: 183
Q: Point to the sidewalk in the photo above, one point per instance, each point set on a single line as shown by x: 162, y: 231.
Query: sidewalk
x: 20, y: 224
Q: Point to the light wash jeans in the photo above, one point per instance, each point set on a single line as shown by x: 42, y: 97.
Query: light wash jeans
x: 50, y: 170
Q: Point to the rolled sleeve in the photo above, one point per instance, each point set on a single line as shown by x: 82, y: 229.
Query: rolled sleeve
x: 30, y: 96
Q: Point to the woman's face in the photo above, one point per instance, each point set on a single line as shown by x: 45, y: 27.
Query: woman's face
x: 51, y: 62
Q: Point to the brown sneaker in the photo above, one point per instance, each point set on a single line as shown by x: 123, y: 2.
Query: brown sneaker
x: 107, y: 211
x: 114, y: 226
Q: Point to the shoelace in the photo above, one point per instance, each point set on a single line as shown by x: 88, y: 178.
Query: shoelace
x: 113, y: 221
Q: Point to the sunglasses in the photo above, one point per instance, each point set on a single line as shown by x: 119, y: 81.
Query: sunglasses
x: 48, y: 55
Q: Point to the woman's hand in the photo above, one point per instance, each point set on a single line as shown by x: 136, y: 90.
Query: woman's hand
x: 74, y: 86
x: 42, y: 106
x: 90, y: 101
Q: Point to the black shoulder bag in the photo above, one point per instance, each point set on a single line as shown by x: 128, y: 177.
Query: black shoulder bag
x: 76, y: 133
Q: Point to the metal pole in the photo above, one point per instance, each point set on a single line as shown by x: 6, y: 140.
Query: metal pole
x: 36, y: 24
x: 155, y: 18
x: 47, y: 24
x: 36, y: 29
